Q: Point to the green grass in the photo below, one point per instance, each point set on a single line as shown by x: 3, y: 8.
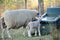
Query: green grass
x: 17, y: 35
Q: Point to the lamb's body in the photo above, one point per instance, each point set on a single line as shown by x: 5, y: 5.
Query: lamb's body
x: 34, y: 25
x: 17, y: 18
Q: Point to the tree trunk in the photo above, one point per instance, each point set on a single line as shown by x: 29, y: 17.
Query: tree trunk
x: 41, y: 6
x: 25, y: 4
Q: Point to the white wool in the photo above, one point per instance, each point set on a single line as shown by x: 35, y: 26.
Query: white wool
x: 17, y: 18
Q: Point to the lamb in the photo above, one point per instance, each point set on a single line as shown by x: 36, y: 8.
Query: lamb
x: 14, y: 19
x: 34, y: 25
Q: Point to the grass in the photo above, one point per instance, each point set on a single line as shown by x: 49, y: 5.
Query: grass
x: 17, y: 35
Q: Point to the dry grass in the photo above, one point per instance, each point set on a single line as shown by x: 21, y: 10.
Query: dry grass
x: 17, y: 35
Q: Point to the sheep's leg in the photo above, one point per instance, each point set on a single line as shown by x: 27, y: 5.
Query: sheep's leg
x: 39, y: 30
x: 35, y: 32
x: 24, y: 29
x: 9, y: 34
x: 24, y: 32
x: 3, y: 30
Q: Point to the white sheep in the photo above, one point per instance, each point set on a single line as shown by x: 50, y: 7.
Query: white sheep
x: 14, y: 19
x: 34, y: 25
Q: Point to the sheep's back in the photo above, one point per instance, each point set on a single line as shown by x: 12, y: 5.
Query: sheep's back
x: 18, y: 16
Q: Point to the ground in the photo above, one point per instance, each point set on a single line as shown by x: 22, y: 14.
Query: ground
x: 17, y: 35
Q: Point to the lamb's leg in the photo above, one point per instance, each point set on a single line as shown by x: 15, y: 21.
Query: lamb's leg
x: 39, y: 30
x: 29, y: 33
x: 35, y: 32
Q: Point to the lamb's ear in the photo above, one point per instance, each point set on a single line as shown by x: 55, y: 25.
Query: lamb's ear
x: 36, y: 17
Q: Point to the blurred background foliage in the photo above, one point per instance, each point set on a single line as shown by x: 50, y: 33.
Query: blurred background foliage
x: 31, y: 4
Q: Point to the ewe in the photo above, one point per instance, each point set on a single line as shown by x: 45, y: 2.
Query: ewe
x: 14, y: 19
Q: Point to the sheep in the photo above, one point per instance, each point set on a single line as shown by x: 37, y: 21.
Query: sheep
x: 14, y: 19
x: 34, y: 25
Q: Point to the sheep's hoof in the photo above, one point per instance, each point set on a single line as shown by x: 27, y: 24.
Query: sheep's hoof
x: 24, y: 34
x: 2, y: 39
x: 10, y: 38
x: 29, y: 36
